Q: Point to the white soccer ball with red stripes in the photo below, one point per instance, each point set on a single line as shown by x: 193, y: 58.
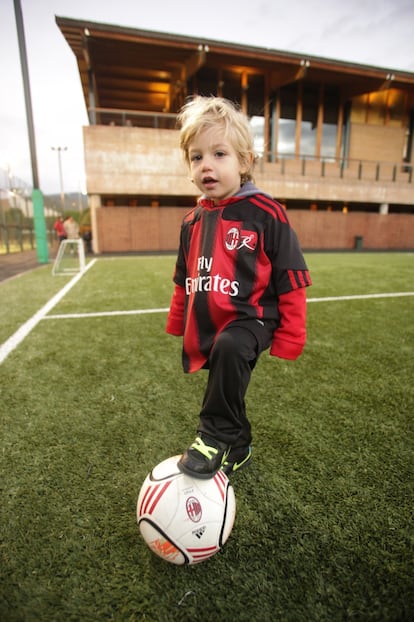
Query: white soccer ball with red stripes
x: 182, y: 519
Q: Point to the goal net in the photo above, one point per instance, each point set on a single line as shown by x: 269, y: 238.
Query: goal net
x: 70, y: 258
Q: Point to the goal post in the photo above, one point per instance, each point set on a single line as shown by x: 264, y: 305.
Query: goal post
x: 70, y: 258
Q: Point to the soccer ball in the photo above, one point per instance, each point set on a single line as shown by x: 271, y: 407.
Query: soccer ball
x: 182, y: 519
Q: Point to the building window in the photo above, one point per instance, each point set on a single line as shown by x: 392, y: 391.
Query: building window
x: 257, y: 125
x: 331, y: 105
x: 409, y: 139
x: 316, y: 107
x: 287, y: 122
x: 309, y: 121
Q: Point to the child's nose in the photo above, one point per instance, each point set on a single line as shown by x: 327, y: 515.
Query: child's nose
x: 206, y: 163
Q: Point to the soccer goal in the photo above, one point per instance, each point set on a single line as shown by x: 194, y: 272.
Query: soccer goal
x: 70, y: 258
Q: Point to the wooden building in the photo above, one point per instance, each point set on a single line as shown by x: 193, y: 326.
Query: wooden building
x: 335, y: 139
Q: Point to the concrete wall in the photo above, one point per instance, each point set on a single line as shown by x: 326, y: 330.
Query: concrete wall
x: 143, y: 161
x: 135, y: 229
x: 134, y: 160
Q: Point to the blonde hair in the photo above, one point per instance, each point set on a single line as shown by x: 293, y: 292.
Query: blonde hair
x: 202, y: 113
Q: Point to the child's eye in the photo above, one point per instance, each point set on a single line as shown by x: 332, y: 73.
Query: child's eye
x: 220, y: 154
x: 195, y: 157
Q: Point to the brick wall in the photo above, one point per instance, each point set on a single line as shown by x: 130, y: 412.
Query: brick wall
x: 135, y: 229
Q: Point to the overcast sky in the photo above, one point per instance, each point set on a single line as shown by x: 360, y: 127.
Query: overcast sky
x: 370, y: 32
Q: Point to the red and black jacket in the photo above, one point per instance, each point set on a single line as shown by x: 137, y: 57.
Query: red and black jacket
x: 238, y: 260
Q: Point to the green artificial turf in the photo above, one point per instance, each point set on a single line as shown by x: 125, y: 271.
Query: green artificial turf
x: 22, y: 296
x: 323, y: 529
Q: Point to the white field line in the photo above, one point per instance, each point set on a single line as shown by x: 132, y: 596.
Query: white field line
x: 361, y: 297
x: 8, y: 346
x: 79, y: 316
x: 76, y: 316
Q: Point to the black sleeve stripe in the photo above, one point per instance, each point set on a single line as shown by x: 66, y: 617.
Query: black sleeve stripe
x: 299, y: 278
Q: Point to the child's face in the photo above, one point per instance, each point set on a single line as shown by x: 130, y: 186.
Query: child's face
x: 214, y: 165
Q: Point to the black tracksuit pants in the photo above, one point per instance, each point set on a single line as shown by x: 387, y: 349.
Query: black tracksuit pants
x: 232, y: 359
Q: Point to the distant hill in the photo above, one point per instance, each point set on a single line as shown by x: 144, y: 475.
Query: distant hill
x: 74, y: 201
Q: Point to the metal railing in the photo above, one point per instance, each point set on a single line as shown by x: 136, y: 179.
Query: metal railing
x: 132, y: 118
x: 342, y: 168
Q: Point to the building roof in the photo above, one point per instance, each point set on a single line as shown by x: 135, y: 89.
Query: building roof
x: 133, y: 69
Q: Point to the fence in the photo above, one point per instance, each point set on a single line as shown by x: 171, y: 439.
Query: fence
x: 17, y: 238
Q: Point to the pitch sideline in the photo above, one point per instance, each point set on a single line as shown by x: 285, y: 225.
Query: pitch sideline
x: 76, y: 316
x: 8, y: 346
x: 21, y: 333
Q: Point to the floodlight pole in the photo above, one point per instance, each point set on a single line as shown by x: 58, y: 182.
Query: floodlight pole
x: 37, y: 196
x: 62, y: 192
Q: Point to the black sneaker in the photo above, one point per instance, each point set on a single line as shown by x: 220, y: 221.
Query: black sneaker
x: 237, y: 459
x: 203, y: 458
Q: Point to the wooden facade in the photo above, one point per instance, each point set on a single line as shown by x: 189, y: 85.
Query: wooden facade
x: 335, y: 140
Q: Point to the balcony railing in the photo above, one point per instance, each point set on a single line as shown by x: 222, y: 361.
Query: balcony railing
x: 347, y: 169
x: 132, y: 118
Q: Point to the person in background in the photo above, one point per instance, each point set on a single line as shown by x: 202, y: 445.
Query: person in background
x: 71, y: 228
x: 59, y: 228
x: 240, y: 280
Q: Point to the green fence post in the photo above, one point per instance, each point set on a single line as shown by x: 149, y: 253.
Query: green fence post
x: 40, y: 227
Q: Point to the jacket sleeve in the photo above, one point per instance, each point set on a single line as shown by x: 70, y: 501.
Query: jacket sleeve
x: 175, y: 319
x: 290, y: 336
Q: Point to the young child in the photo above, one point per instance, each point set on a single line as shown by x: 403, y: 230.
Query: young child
x: 240, y: 281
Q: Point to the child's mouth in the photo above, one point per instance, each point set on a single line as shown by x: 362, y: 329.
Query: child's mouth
x: 209, y: 181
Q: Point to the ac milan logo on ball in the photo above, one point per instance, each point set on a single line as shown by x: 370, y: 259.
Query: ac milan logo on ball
x: 193, y: 507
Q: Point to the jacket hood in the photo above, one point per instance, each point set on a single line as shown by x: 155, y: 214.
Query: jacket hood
x: 246, y: 190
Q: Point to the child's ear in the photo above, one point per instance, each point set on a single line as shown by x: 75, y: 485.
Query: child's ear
x: 246, y: 163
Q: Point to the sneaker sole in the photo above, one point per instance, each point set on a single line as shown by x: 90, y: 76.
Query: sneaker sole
x: 196, y: 475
